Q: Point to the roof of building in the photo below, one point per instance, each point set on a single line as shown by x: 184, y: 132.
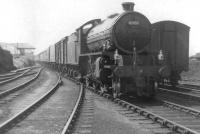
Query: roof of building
x: 19, y: 45
x: 23, y: 45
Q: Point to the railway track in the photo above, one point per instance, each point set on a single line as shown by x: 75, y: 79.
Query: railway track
x: 12, y: 78
x: 159, y: 115
x: 167, y: 117
x: 15, y: 72
x: 26, y: 77
x: 19, y: 116
x: 54, y: 109
x: 181, y: 91
x: 81, y: 122
x: 191, y: 85
x: 182, y: 99
x: 84, y: 121
x: 184, y: 96
x: 20, y: 86
x: 4, y: 79
x: 69, y: 127
x: 178, y: 117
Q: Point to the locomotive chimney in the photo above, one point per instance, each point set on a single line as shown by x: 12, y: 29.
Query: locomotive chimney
x: 128, y: 6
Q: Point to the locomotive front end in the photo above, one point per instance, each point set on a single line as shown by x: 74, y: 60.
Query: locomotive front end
x: 139, y: 72
x: 132, y: 29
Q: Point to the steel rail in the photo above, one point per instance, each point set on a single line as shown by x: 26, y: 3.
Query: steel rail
x: 180, y: 93
x: 154, y: 117
x: 187, y: 88
x: 5, y: 126
x: 10, y: 77
x: 182, y: 108
x: 6, y: 78
x: 73, y: 115
x: 14, y: 78
x: 9, y: 74
x: 22, y: 69
x: 15, y: 72
x: 193, y: 85
x: 9, y: 91
x: 30, y: 73
x: 184, y: 88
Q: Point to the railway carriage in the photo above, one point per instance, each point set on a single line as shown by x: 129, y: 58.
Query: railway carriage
x: 65, y: 39
x: 52, y: 57
x: 173, y: 39
x: 58, y: 52
x: 73, y: 52
x: 44, y: 56
x: 125, y: 53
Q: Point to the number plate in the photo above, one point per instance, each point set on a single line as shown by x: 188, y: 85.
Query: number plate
x: 133, y: 22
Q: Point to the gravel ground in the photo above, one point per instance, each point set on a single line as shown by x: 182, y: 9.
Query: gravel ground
x: 192, y: 76
x: 52, y: 115
x: 101, y: 116
x: 15, y: 102
x: 16, y: 82
x: 188, y: 102
x: 107, y: 120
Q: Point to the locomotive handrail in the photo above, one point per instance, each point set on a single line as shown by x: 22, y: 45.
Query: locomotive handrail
x: 88, y: 22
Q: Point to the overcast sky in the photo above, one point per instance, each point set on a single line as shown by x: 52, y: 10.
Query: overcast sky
x: 43, y: 22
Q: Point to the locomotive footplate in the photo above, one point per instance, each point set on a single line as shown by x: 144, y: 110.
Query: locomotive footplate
x: 130, y: 71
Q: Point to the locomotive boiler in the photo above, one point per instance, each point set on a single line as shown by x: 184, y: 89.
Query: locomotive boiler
x: 120, y: 31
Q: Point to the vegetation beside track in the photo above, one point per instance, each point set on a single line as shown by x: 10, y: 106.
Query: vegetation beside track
x: 193, y: 75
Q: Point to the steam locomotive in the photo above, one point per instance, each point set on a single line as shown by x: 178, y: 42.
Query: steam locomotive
x: 123, y: 54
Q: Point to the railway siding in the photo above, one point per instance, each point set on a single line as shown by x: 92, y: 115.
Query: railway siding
x: 18, y: 87
x: 15, y: 102
x: 152, y: 116
x: 14, y: 78
x: 11, y: 84
x: 51, y: 116
x: 183, y: 98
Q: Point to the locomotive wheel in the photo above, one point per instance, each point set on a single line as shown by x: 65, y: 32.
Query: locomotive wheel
x: 174, y: 78
x: 87, y: 83
x: 174, y: 82
x: 144, y: 93
x: 103, y: 88
x: 116, y: 88
x: 95, y: 85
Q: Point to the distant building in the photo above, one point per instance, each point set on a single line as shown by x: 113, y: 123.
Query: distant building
x: 197, y: 54
x: 8, y: 47
x: 195, y: 57
x: 17, y: 49
x: 24, y: 49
